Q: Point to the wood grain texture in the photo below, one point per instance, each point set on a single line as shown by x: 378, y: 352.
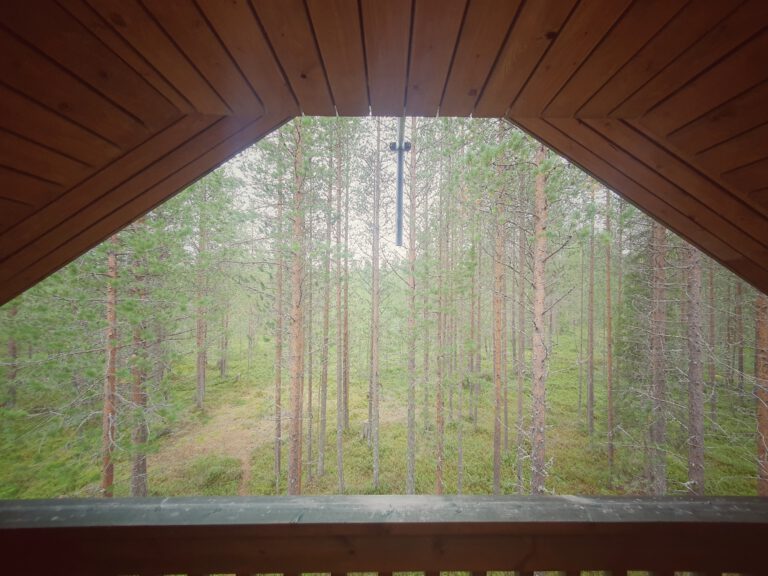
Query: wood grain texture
x: 382, y: 534
x: 109, y: 106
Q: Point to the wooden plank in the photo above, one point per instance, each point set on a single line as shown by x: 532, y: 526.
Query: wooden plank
x: 236, y: 26
x: 32, y: 74
x: 635, y: 27
x: 744, y: 149
x: 731, y: 77
x: 749, y: 178
x: 289, y: 31
x: 535, y: 28
x: 485, y: 28
x: 702, y: 200
x: 31, y: 158
x: 656, y: 206
x: 436, y: 25
x: 100, y: 28
x: 12, y: 211
x: 688, y: 25
x: 138, y: 27
x: 724, y: 122
x: 747, y: 20
x: 585, y: 28
x: 64, y: 40
x: 386, y: 27
x: 339, y: 36
x: 190, y: 31
x: 81, y: 196
x: 27, y: 118
x: 28, y: 189
x: 348, y: 534
x: 139, y: 195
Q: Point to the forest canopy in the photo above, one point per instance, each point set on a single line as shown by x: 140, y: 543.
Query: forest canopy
x: 262, y: 333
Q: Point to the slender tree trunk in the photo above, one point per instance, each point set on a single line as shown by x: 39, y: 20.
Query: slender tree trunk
x: 109, y: 413
x: 498, y: 341
x: 375, y: 308
x: 310, y: 335
x: 279, y: 339
x: 761, y: 381
x: 345, y: 351
x: 140, y: 431
x: 581, y: 332
x: 339, y: 336
x: 440, y: 360
x: 426, y: 342
x: 739, y: 336
x: 410, y: 479
x: 224, y: 348
x: 695, y: 376
x: 539, y: 364
x: 297, y: 319
x: 322, y: 433
x: 658, y: 428
x: 591, y: 324
x: 202, y: 293
x: 609, y: 331
x: 712, y: 344
x: 521, y: 243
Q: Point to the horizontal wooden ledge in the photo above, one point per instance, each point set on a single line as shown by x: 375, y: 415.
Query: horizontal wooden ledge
x: 275, y: 511
x: 341, y: 534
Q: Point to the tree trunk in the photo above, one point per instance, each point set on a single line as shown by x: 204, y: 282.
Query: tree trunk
x: 539, y: 364
x: 345, y: 343
x: 591, y: 323
x: 279, y: 339
x: 140, y: 431
x: 224, y: 348
x: 498, y: 341
x: 695, y: 376
x: 109, y: 413
x: 310, y: 335
x: 761, y: 373
x: 609, y: 332
x: 739, y: 336
x: 440, y: 360
x: 321, y: 435
x: 658, y: 428
x: 297, y: 319
x: 375, y: 308
x: 202, y: 294
x: 339, y: 322
x: 712, y: 345
x: 521, y: 243
x: 410, y: 479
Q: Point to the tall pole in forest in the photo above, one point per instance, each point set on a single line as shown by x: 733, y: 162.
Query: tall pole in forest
x: 761, y: 385
x: 109, y: 414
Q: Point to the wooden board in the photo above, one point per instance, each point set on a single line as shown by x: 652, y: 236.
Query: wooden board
x: 381, y: 534
x: 336, y: 24
x: 486, y: 26
x: 111, y: 105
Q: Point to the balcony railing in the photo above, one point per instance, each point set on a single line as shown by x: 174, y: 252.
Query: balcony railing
x: 383, y: 534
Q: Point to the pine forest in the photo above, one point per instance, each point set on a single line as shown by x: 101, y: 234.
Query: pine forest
x: 263, y: 333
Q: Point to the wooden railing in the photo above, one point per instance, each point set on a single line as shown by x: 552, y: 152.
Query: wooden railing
x: 383, y: 534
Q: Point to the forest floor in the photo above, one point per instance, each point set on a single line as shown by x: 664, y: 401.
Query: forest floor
x: 228, y: 448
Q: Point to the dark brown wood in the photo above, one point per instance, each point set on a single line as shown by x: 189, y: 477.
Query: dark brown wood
x: 436, y: 25
x: 106, y: 101
x: 485, y: 28
x: 290, y: 34
x: 386, y: 534
x: 386, y: 29
x: 337, y: 28
x: 535, y: 28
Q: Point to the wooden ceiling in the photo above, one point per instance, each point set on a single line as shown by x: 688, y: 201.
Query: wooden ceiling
x: 109, y: 107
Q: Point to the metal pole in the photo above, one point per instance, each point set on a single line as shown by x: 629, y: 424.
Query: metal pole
x: 400, y: 159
